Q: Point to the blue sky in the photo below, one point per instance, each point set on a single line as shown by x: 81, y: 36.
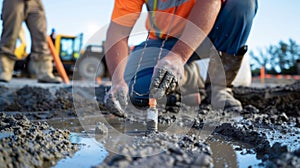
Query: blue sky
x: 276, y: 19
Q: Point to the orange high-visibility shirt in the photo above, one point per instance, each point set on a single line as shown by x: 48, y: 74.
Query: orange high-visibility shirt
x: 166, y: 17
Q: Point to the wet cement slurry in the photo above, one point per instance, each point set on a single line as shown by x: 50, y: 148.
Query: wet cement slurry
x: 41, y: 128
x: 27, y: 144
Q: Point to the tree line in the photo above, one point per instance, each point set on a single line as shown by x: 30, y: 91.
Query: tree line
x: 277, y: 59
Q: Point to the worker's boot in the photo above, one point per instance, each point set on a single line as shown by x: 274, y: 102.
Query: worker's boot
x: 219, y: 84
x: 43, y: 71
x: 191, y: 92
x: 6, y: 68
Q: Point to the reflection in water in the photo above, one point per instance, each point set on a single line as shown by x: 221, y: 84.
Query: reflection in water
x: 5, y: 134
x: 245, y: 160
x: 91, y: 153
x: 223, y: 155
x: 228, y: 153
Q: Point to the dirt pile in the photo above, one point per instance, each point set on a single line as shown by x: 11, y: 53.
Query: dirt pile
x: 27, y: 144
x: 37, y: 99
x: 279, y: 104
x: 31, y: 99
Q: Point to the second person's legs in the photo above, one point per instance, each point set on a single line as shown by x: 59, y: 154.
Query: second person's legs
x: 12, y: 17
x: 40, y: 53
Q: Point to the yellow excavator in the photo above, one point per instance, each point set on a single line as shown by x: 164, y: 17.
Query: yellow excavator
x: 69, y: 49
x: 20, y: 51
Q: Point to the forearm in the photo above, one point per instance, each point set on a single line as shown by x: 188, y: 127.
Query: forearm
x: 116, y: 57
x: 116, y: 50
x: 198, y: 26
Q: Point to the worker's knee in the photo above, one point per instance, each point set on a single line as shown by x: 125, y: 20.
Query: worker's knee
x: 233, y: 25
x: 139, y: 87
x: 245, y: 9
x: 13, y: 10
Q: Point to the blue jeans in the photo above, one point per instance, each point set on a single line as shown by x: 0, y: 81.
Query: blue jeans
x: 229, y: 34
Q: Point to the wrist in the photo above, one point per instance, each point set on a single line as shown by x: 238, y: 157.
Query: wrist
x: 182, y: 51
x: 118, y: 81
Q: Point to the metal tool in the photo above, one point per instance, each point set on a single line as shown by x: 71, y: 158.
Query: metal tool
x: 152, y: 116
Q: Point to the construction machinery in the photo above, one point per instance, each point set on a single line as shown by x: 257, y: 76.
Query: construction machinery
x: 88, y: 63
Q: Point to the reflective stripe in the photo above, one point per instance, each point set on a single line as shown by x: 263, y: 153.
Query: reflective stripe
x: 153, y: 5
x: 160, y: 28
x: 152, y: 19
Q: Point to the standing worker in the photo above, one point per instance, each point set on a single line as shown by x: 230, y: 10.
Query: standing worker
x: 165, y: 61
x: 14, y: 12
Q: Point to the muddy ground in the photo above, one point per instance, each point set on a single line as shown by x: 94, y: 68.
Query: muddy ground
x: 35, y: 125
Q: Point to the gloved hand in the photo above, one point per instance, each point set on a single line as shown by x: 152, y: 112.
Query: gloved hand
x: 116, y: 99
x: 166, y: 76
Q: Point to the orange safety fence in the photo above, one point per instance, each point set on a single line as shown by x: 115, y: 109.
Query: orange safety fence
x: 59, y: 65
x: 264, y: 76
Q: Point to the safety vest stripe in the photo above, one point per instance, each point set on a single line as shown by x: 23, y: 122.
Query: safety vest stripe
x: 152, y: 18
x: 163, y: 4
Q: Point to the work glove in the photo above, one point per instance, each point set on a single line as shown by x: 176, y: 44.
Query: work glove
x: 167, y: 75
x: 115, y: 99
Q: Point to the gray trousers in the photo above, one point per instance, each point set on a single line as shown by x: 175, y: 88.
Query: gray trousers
x: 14, y: 12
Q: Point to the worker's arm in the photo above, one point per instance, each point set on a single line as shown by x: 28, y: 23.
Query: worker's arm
x: 170, y: 69
x: 124, y: 16
x: 116, y: 47
x: 200, y: 22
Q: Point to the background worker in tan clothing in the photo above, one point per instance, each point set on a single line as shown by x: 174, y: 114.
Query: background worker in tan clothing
x: 14, y: 12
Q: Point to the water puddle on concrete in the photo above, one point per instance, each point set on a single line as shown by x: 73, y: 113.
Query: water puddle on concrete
x: 226, y: 153
x: 5, y: 134
x: 246, y: 159
x: 233, y: 154
x: 90, y: 153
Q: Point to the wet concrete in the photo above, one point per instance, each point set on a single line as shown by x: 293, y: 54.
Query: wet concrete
x: 266, y: 132
x: 27, y: 144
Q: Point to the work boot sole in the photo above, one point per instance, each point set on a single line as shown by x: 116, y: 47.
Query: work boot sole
x: 42, y: 81
x: 5, y: 81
